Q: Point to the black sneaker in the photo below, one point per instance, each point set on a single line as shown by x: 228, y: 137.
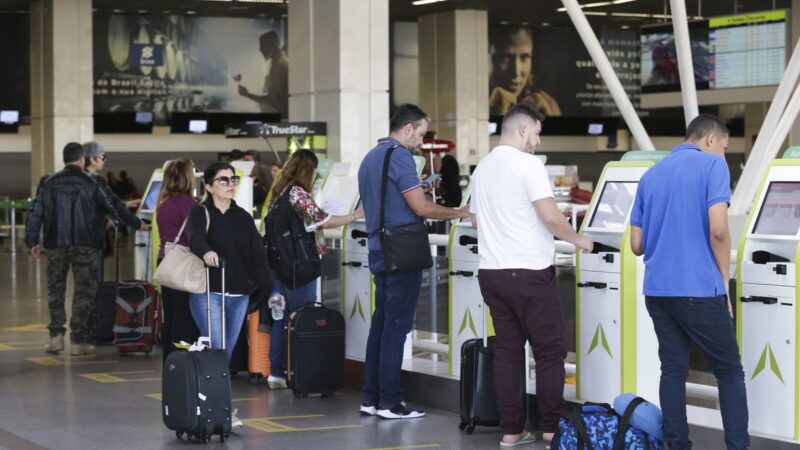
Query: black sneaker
x: 400, y: 411
x: 368, y: 409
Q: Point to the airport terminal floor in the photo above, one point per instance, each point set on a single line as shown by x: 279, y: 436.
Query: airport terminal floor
x: 109, y: 400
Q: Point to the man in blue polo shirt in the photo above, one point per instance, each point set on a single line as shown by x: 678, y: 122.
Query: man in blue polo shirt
x: 680, y: 223
x: 395, y: 293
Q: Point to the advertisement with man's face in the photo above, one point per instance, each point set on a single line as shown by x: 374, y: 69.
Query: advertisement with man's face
x: 550, y: 68
x: 170, y: 63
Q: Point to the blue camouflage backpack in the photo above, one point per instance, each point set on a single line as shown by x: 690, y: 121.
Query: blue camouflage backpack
x: 595, y: 426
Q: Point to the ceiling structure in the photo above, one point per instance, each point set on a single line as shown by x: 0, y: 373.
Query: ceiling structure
x: 515, y: 12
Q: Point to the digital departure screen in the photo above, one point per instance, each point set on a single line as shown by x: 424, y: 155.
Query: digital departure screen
x: 615, y: 202
x: 150, y: 200
x: 780, y: 212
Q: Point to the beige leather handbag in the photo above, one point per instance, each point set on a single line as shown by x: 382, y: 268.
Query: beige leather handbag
x: 181, y: 269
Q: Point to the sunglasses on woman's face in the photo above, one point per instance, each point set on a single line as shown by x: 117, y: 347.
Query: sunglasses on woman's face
x: 227, y: 181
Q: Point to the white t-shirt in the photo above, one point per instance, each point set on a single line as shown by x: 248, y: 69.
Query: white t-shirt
x: 510, y: 234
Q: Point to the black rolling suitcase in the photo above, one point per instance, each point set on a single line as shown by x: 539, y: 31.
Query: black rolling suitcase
x: 315, y: 354
x: 196, y: 388
x: 102, y: 320
x: 478, y: 397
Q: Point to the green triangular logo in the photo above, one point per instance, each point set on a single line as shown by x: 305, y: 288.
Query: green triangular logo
x: 357, y: 308
x: 598, y: 339
x: 467, y: 320
x: 773, y: 364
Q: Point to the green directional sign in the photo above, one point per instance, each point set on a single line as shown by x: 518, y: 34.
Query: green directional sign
x: 358, y: 308
x: 600, y: 338
x: 773, y: 363
x: 467, y: 321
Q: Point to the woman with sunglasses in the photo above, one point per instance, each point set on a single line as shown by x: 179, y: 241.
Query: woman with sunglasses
x: 232, y: 237
x: 296, y: 182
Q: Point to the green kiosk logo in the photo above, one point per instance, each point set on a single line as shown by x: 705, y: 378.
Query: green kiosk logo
x: 600, y: 336
x: 357, y: 308
x: 467, y: 320
x: 773, y: 363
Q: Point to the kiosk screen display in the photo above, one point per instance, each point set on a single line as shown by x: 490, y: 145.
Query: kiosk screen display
x: 149, y: 203
x: 780, y: 213
x: 615, y: 202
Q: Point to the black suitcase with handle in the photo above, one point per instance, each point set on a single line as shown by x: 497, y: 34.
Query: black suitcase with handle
x: 196, y: 388
x: 478, y: 397
x: 315, y: 354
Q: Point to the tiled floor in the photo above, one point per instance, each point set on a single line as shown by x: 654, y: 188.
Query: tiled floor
x: 112, y: 401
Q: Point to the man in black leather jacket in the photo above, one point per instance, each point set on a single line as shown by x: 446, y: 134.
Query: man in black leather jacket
x: 68, y: 207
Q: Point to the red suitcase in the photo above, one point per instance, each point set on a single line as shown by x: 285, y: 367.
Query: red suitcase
x: 135, y: 321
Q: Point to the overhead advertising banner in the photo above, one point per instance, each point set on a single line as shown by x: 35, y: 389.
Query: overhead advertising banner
x: 525, y: 67
x: 15, y: 85
x: 169, y: 63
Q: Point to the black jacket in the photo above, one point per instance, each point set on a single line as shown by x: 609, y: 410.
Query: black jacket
x: 234, y: 237
x: 68, y: 206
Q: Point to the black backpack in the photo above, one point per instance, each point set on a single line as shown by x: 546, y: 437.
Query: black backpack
x: 291, y: 250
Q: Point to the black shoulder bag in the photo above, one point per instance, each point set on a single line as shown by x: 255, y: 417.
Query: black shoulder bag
x: 406, y: 247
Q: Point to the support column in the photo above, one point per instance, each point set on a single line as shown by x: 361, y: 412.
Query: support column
x: 339, y: 71
x: 61, y: 80
x: 454, y: 80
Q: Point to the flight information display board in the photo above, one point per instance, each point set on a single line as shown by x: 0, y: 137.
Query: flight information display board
x: 747, y: 50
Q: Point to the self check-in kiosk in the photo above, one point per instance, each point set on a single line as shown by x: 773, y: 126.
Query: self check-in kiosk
x: 466, y: 308
x: 616, y: 346
x: 767, y: 313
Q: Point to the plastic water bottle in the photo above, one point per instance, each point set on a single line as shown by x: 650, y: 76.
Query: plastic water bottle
x: 274, y: 303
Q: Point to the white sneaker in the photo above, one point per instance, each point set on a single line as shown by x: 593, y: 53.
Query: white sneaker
x: 236, y: 423
x: 276, y: 382
x: 368, y: 409
x: 400, y: 411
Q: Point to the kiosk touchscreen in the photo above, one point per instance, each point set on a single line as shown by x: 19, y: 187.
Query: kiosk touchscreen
x: 617, y: 350
x: 767, y: 314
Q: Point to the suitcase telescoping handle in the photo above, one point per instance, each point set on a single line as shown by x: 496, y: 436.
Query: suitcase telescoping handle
x: 222, y: 301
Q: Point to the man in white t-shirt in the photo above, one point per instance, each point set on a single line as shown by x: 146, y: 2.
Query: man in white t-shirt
x: 513, y: 207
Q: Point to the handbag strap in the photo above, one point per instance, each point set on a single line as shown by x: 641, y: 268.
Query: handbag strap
x: 384, y: 182
x: 208, y: 224
x: 575, y: 418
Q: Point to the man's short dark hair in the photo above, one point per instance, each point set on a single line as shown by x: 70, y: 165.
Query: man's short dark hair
x: 519, y: 110
x: 73, y: 152
x: 405, y: 114
x: 254, y: 154
x: 236, y: 155
x: 703, y: 125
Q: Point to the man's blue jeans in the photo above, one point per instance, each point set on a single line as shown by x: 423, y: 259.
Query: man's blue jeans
x: 396, y: 296
x: 704, y: 321
x: 295, y: 299
x: 235, y: 312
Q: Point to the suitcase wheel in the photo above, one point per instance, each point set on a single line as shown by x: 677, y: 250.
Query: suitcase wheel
x: 298, y: 394
x: 206, y: 439
x: 462, y: 426
x: 222, y: 437
x: 179, y: 434
x: 327, y: 394
x: 253, y: 378
x: 470, y: 428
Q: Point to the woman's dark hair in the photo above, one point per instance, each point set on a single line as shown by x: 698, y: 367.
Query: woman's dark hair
x: 211, y: 171
x: 449, y: 167
x: 298, y: 171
